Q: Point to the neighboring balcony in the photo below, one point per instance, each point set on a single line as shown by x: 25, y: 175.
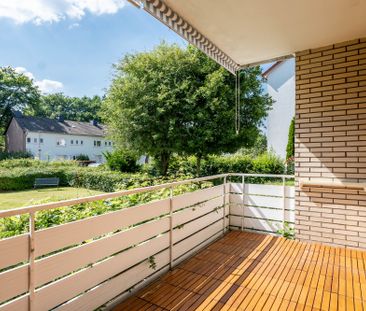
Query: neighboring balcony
x: 102, y: 260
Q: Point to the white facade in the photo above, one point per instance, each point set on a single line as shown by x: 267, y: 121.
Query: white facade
x: 281, y: 87
x: 54, y: 146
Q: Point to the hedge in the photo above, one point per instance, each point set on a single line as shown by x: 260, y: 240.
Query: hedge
x: 13, y: 177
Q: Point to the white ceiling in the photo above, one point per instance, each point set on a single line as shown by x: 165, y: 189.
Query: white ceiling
x: 251, y: 31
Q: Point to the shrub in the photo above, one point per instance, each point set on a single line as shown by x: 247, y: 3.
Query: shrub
x: 23, y: 178
x: 82, y: 157
x: 122, y: 161
x: 14, y: 155
x: 290, y: 149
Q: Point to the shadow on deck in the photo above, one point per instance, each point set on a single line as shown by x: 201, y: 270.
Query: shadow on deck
x: 248, y: 271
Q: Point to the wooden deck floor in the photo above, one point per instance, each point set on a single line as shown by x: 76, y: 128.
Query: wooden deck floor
x: 247, y: 271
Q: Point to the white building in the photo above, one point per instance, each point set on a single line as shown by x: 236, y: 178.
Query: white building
x: 280, y: 80
x: 49, y: 139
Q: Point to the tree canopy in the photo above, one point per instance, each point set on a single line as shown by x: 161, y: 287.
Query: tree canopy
x: 71, y: 108
x: 177, y: 100
x: 17, y: 92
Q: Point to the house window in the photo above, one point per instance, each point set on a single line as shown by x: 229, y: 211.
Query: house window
x: 35, y: 140
x: 110, y: 143
x: 77, y: 142
x: 81, y: 142
x: 97, y: 143
x: 61, y: 142
x: 41, y: 140
x: 28, y: 139
x: 105, y: 143
x: 72, y: 142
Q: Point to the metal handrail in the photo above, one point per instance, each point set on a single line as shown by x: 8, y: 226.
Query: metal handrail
x: 105, y: 196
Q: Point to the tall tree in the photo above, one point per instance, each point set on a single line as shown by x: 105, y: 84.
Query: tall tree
x: 178, y: 100
x: 17, y: 92
x: 71, y: 108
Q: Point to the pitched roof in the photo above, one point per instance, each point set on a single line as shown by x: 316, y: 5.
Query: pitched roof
x: 271, y: 68
x: 38, y: 124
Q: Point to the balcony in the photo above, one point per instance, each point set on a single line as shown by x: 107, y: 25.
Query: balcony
x: 250, y: 271
x: 215, y: 248
x: 101, y: 260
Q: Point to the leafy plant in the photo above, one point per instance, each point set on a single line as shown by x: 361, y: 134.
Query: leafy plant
x: 152, y: 262
x: 287, y: 231
x: 122, y: 161
x: 290, y: 149
x: 82, y: 157
x: 15, y: 155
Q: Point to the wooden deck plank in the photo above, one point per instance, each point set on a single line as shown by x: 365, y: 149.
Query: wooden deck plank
x: 249, y: 271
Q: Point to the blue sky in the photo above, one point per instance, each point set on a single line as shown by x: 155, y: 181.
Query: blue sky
x: 70, y: 45
x: 79, y: 52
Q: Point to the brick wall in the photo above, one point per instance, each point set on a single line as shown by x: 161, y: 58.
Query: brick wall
x: 331, y: 142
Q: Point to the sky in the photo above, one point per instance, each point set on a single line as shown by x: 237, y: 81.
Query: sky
x: 69, y: 46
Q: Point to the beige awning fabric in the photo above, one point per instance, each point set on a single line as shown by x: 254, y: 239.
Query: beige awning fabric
x: 241, y: 33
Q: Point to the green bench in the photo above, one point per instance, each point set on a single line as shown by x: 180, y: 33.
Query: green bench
x: 46, y: 182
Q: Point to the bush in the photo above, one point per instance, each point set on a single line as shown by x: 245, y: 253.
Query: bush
x: 266, y: 163
x: 122, y: 161
x: 23, y: 178
x: 14, y: 155
x: 82, y: 157
x: 290, y: 149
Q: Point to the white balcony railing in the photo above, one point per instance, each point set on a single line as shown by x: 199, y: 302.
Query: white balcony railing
x: 84, y: 264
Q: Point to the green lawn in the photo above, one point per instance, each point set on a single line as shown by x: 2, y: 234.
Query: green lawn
x: 13, y: 199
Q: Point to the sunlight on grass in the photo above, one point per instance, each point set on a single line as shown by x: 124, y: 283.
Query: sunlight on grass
x: 14, y: 199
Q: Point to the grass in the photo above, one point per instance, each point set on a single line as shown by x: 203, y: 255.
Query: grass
x: 14, y: 199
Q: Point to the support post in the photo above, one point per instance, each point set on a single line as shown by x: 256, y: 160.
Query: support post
x: 171, y: 228
x: 284, y: 201
x: 242, y: 201
x: 224, y: 207
x: 31, y: 260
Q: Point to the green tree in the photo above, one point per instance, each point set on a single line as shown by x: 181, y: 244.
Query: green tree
x: 17, y: 92
x: 174, y: 100
x: 290, y: 149
x: 211, y: 115
x: 71, y: 108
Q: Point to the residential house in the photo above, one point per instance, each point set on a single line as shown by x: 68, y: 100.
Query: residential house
x: 57, y: 139
x: 280, y: 84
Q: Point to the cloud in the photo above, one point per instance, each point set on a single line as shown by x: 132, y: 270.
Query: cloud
x: 74, y: 25
x: 49, y: 86
x: 43, y: 11
x: 46, y: 86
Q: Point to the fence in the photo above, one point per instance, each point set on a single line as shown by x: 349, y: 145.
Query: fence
x: 83, y: 264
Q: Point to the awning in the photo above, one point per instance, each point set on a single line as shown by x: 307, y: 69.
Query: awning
x: 241, y: 33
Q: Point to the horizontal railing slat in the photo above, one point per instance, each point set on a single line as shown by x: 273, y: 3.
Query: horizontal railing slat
x: 14, y: 250
x: 262, y: 213
x: 256, y: 224
x: 96, y: 297
x: 14, y: 282
x: 196, y: 211
x: 18, y: 304
x: 196, y: 225
x: 192, y: 198
x: 60, y: 264
x: 64, y: 289
x: 262, y: 201
x: 184, y: 246
x: 267, y: 190
x: 71, y: 233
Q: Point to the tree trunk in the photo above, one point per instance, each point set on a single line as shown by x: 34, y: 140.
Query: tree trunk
x: 164, y: 162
